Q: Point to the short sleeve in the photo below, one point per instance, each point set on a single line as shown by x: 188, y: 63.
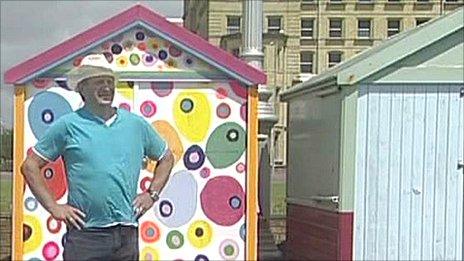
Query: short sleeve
x: 52, y: 143
x: 154, y: 146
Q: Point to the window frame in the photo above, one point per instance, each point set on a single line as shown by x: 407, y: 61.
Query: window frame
x: 307, y: 29
x: 363, y: 30
x: 335, y: 29
x: 395, y: 30
x: 274, y: 29
x: 332, y: 63
x: 309, y: 62
x: 232, y: 29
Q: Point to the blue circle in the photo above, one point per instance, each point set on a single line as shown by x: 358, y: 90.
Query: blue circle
x: 243, y: 231
x: 201, y: 258
x: 163, y: 55
x: 235, y: 202
x: 46, y: 108
x: 186, y: 105
x: 31, y: 204
x: 196, y: 151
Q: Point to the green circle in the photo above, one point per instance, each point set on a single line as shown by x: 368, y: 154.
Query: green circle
x: 174, y: 239
x: 229, y: 250
x: 134, y: 59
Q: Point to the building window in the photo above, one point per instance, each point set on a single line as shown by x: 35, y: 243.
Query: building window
x: 274, y: 24
x: 307, y: 1
x: 422, y: 1
x: 365, y: 1
x: 307, y: 25
x: 306, y: 62
x: 233, y: 24
x: 335, y: 1
x: 335, y: 28
x: 364, y: 28
x: 420, y: 21
x: 334, y: 58
x: 393, y: 27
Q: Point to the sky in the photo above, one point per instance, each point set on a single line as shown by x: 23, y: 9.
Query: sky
x: 29, y: 28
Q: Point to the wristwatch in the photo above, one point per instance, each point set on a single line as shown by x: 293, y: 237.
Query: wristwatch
x: 153, y: 195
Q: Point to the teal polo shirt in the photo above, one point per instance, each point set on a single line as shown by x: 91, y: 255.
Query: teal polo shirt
x: 103, y: 162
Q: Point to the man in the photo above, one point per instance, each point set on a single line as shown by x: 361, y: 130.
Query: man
x: 103, y: 149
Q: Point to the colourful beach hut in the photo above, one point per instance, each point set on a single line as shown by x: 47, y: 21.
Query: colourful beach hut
x: 376, y: 151
x: 201, y: 99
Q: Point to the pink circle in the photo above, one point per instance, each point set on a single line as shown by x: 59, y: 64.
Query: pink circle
x: 240, y: 168
x: 243, y: 112
x: 194, y: 157
x: 222, y: 200
x: 221, y: 93
x: 162, y: 89
x: 124, y: 106
x: 205, y: 172
x: 50, y: 251
x: 148, y: 108
x: 174, y: 51
x: 223, y: 110
x: 145, y: 183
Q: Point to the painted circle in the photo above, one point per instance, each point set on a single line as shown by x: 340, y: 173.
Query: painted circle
x: 194, y: 157
x: 228, y: 249
x: 200, y: 233
x: 50, y: 251
x: 240, y: 167
x: 223, y: 110
x: 128, y: 45
x: 201, y: 258
x: 221, y: 93
x: 225, y: 145
x: 165, y: 208
x: 162, y: 54
x: 124, y: 106
x: 149, y: 254
x: 48, y: 173
x: 243, y: 111
x: 142, y: 46
x: 188, y: 62
x: 134, y: 59
x: 162, y: 89
x: 53, y: 225
x: 41, y: 83
x: 145, y: 183
x: 108, y: 56
x: 150, y: 232
x: 116, y: 48
x: 77, y: 61
x: 235, y: 202
x: 148, y: 59
x: 45, y: 108
x: 174, y: 51
x: 221, y: 200
x: 140, y: 36
x: 122, y: 61
x: 175, y: 239
x: 186, y: 105
x: 32, y: 233
x: 148, y: 108
x: 243, y: 231
x: 31, y: 204
x: 205, y: 172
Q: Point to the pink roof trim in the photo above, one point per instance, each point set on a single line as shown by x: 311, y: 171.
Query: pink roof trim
x: 122, y: 20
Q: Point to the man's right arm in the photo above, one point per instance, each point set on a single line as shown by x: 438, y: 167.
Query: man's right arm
x: 31, y: 171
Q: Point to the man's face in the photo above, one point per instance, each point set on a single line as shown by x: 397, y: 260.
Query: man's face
x: 98, y: 90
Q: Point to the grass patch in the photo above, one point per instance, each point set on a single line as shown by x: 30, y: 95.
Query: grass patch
x: 5, y: 194
x: 278, y: 205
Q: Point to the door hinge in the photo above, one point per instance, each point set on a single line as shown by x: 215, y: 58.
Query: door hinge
x: 460, y: 165
x: 461, y: 92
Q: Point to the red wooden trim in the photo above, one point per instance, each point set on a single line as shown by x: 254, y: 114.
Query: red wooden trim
x: 122, y: 20
x: 320, y: 234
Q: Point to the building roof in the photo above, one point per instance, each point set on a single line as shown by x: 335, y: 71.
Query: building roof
x: 391, y: 51
x: 138, y: 15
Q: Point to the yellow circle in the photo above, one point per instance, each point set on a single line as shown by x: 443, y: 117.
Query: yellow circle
x: 193, y: 120
x: 149, y: 253
x: 200, y: 233
x: 34, y: 241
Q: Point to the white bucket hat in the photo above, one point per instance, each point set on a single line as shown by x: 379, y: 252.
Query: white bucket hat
x: 93, y: 65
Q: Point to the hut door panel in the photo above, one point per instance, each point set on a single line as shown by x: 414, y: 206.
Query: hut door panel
x: 409, y: 191
x: 201, y: 209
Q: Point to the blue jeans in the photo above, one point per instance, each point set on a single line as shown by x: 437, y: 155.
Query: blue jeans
x: 112, y: 243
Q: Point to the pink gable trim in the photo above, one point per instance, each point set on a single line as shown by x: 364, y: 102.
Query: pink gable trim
x: 120, y: 21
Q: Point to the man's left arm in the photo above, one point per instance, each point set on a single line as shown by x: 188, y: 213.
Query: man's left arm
x: 145, y: 200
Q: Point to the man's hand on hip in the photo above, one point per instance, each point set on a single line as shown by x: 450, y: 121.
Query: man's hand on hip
x: 142, y: 203
x: 68, y: 214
